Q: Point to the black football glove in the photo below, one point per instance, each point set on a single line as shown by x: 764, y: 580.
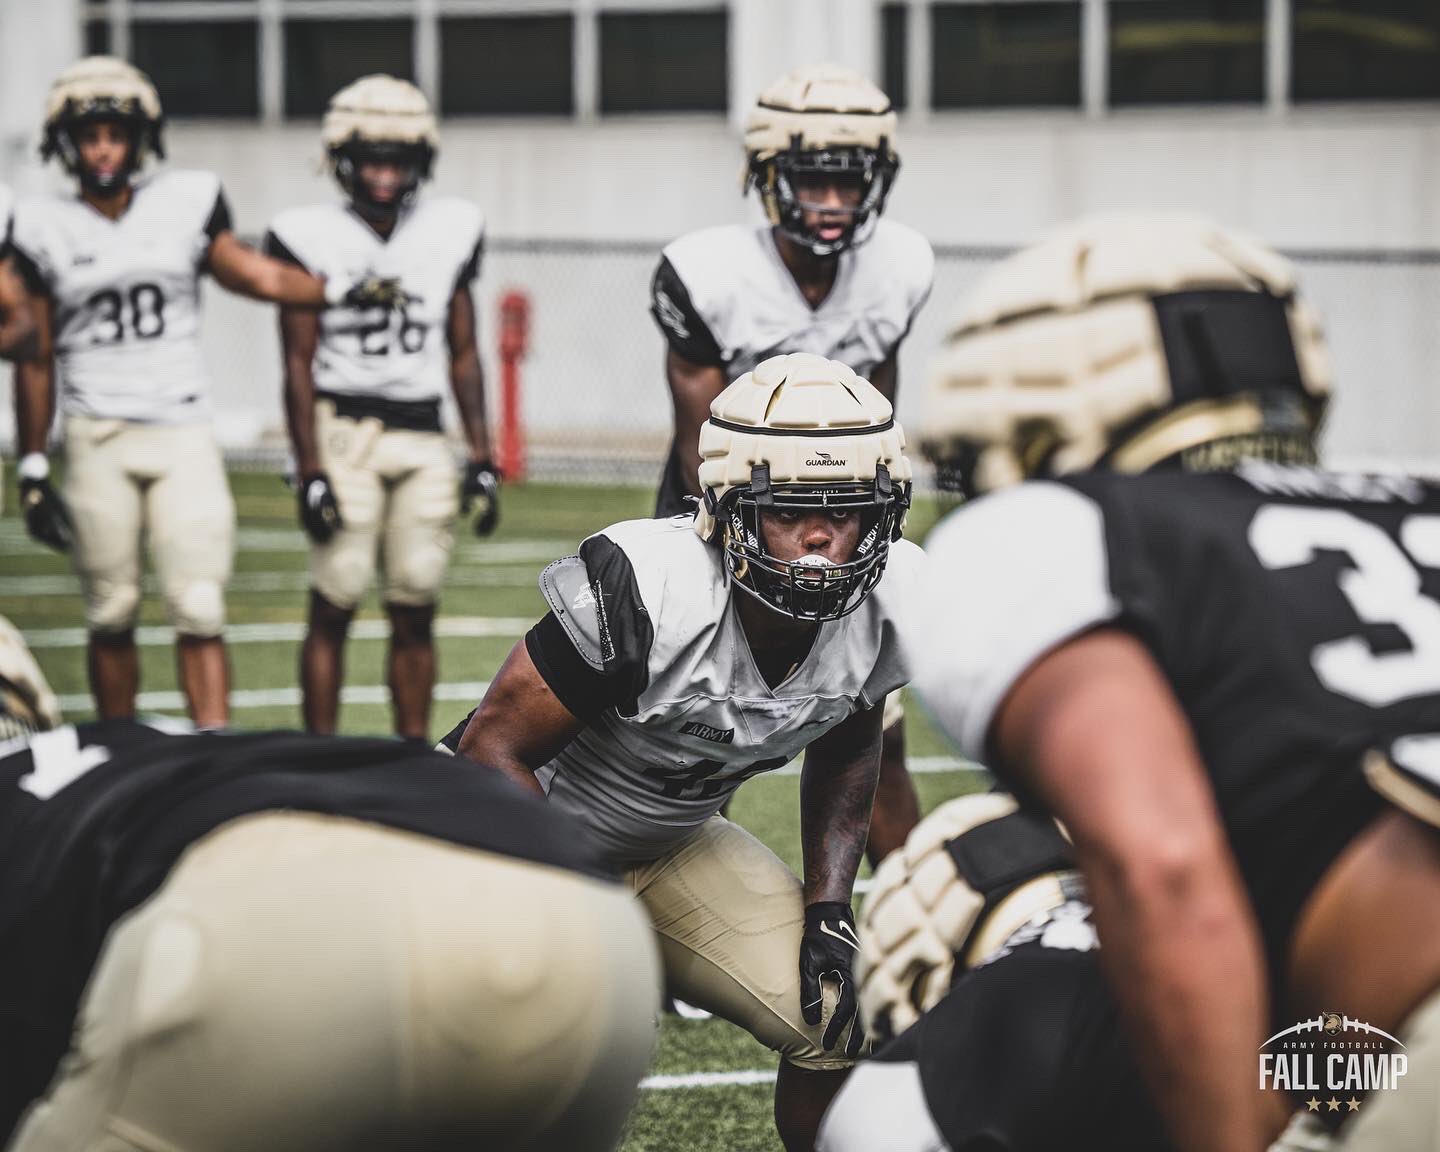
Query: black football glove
x: 46, y: 517
x: 827, y: 955
x: 368, y: 291
x: 319, y: 510
x: 480, y: 487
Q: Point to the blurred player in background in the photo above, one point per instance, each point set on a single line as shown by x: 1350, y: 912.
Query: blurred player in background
x: 273, y: 943
x: 116, y: 276
x: 17, y: 322
x: 363, y: 389
x: 680, y: 658
x: 826, y: 275
x: 1222, y: 676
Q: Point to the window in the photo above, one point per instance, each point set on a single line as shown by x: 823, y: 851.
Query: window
x: 1366, y: 50
x: 894, y: 27
x: 1187, y: 51
x: 97, y: 37
x: 1005, y: 55
x: 322, y: 56
x: 201, y: 69
x: 507, y: 66
x: 663, y: 61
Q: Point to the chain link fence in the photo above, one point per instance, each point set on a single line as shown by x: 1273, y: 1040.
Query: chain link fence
x: 596, y: 408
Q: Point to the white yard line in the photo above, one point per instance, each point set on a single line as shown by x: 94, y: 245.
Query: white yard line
x: 708, y: 1079
x: 464, y: 690
x: 469, y: 627
x: 61, y: 584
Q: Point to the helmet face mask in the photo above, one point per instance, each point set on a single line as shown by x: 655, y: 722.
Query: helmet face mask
x: 784, y: 181
x: 349, y: 160
x: 809, y: 588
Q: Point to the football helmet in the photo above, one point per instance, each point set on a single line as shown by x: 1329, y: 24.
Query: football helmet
x: 1127, y: 342
x: 27, y: 705
x: 797, y: 434
x: 380, y: 119
x: 102, y: 88
x: 821, y: 119
x: 971, y: 874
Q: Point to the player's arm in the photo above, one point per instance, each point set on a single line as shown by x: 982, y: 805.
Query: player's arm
x: 520, y: 725
x: 46, y: 517
x: 1095, y: 731
x: 694, y: 365
x: 480, y: 482
x: 886, y: 376
x: 247, y: 272
x: 299, y: 337
x: 19, y: 339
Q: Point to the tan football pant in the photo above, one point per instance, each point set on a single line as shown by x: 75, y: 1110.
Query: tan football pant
x: 125, y: 480
x: 1407, y: 1117
x: 730, y: 914
x: 303, y: 983
x: 398, y: 496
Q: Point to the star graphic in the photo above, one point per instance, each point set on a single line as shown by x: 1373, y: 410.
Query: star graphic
x: 1353, y: 1104
x: 1333, y: 1104
x: 1312, y: 1104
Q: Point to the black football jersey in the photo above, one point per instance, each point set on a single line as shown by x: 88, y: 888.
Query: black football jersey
x: 1295, y: 613
x: 93, y: 818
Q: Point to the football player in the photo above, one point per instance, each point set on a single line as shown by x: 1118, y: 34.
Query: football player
x: 237, y: 943
x: 826, y: 275
x: 17, y: 324
x: 1214, y: 663
x: 115, y: 272
x: 363, y: 388
x: 680, y: 658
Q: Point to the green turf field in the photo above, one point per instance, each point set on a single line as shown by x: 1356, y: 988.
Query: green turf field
x: 490, y: 599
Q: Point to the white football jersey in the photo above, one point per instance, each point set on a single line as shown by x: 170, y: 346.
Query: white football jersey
x: 727, y: 298
x: 647, y: 607
x: 126, y: 295
x: 434, y: 247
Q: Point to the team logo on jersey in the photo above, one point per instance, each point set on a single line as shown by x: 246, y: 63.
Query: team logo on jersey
x: 706, y: 732
x: 1335, y: 1058
x: 670, y: 315
x: 825, y: 460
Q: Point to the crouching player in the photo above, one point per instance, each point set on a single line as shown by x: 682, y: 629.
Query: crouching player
x: 284, y: 943
x: 680, y: 658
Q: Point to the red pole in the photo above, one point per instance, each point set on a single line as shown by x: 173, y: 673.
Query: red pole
x: 514, y: 342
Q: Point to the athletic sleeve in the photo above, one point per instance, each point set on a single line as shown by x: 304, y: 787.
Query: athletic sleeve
x: 27, y: 247
x: 219, y: 219
x: 680, y: 322
x: 593, y: 647
x: 277, y: 248
x: 470, y: 270
x: 1008, y: 579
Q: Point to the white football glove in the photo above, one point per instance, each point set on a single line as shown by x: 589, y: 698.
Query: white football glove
x: 924, y: 916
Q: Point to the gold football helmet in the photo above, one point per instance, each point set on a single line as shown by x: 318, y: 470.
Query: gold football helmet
x: 822, y: 119
x: 800, y: 433
x: 380, y: 119
x: 27, y: 705
x: 1127, y: 342
x: 102, y: 88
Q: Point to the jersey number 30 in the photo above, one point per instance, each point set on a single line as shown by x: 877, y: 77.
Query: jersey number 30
x: 1382, y: 585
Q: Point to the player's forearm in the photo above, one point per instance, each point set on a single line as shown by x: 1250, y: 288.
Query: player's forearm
x: 250, y: 273
x: 467, y: 381
x: 835, y: 804
x: 300, y: 417
x: 34, y: 404
x: 1184, y: 958
x: 475, y: 746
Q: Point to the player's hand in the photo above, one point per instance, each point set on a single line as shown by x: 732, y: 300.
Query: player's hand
x: 480, y: 488
x: 367, y: 291
x: 46, y: 517
x: 319, y: 510
x: 827, y: 956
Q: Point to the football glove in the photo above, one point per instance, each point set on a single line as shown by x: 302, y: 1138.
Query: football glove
x: 46, y: 517
x: 319, y: 510
x: 367, y: 291
x: 480, y: 488
x: 828, y: 951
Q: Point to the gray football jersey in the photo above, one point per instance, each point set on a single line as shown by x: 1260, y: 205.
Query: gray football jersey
x: 647, y: 603
x: 732, y: 301
x: 126, y: 295
x: 433, y: 249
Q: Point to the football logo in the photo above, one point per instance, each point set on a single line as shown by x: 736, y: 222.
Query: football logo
x: 824, y: 460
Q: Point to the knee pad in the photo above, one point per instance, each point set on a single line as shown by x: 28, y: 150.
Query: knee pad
x: 414, y: 580
x: 340, y: 576
x: 197, y: 608
x: 111, y: 605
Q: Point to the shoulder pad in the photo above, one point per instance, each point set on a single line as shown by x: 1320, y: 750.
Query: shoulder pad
x: 565, y: 584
